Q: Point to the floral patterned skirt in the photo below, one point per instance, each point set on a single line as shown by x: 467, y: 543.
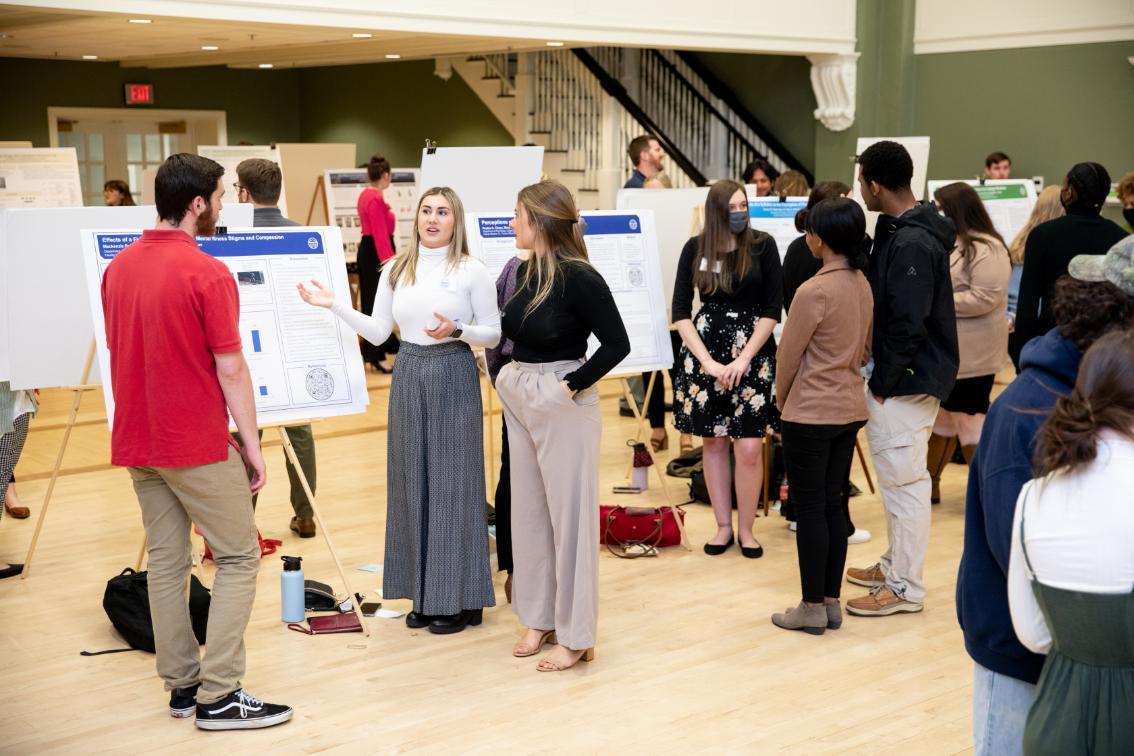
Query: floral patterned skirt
x: 702, y: 406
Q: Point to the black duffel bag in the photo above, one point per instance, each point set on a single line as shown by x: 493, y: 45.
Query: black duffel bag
x: 127, y: 604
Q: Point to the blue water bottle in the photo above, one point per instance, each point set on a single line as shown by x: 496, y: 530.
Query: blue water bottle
x: 291, y: 589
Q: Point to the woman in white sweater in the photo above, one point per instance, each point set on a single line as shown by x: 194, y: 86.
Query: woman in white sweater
x: 443, y: 302
x: 1071, y: 571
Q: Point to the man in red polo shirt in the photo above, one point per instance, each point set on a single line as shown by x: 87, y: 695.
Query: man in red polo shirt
x: 172, y: 317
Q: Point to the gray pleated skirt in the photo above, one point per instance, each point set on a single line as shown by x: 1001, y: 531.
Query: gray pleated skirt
x: 436, y: 533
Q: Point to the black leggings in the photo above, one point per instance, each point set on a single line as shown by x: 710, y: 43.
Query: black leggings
x: 818, y: 460
x: 369, y: 274
x: 503, y: 506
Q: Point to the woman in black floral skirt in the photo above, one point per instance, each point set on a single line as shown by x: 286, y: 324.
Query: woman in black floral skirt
x: 724, y: 388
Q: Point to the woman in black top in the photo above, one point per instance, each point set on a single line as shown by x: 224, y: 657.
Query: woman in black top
x: 554, y: 425
x: 799, y: 264
x: 1051, y: 246
x: 725, y: 387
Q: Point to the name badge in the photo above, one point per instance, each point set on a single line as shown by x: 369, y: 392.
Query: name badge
x: 705, y: 265
x: 445, y: 284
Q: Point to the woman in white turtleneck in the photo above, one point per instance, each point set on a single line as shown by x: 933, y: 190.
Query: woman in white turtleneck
x: 444, y: 302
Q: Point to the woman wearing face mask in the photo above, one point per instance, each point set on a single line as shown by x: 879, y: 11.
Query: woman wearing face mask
x: 375, y: 250
x: 436, y: 539
x: 725, y: 390
x: 1051, y: 246
x: 554, y: 425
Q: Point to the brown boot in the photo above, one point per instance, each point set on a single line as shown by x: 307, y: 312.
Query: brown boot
x: 940, y: 452
x: 968, y: 450
x: 304, y: 526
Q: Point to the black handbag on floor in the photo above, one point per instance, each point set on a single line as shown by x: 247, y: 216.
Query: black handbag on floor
x: 127, y: 604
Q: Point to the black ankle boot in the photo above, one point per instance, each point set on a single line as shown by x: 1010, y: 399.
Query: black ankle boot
x: 455, y: 623
x: 418, y: 620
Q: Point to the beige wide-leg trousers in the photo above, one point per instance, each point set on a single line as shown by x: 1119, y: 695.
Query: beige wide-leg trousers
x: 554, y: 444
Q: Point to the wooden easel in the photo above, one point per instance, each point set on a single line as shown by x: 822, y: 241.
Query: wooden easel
x: 319, y: 192
x: 79, y: 390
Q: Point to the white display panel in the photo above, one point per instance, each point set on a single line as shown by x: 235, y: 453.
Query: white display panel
x: 39, y: 177
x: 230, y: 157
x: 622, y: 246
x: 486, y: 179
x: 341, y: 189
x: 305, y: 362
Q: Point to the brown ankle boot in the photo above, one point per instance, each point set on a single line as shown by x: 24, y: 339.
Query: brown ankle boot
x: 940, y: 452
x: 968, y: 450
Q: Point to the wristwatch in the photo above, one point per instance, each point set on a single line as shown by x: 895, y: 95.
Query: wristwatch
x: 456, y: 334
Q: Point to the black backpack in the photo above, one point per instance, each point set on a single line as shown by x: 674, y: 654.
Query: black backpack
x: 127, y: 604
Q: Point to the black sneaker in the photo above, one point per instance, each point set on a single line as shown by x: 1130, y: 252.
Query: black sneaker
x: 183, y: 701
x: 240, y: 711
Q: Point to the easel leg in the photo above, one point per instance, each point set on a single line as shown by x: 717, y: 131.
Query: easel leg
x: 865, y: 469
x: 79, y: 390
x: 640, y: 418
x: 290, y: 452
x: 142, y: 554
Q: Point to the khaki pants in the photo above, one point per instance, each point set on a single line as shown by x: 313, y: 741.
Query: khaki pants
x: 218, y: 500
x: 553, y: 441
x: 898, y: 433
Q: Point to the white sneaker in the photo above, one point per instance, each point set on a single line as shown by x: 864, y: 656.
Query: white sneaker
x: 793, y: 526
x: 860, y: 535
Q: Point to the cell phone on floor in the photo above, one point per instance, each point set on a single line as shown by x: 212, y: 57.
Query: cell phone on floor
x: 370, y: 608
x: 627, y: 489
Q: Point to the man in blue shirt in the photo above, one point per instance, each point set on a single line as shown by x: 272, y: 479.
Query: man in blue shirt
x: 648, y: 158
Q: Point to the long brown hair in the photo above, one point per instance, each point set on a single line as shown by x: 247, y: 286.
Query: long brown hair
x: 1103, y: 397
x: 551, y: 211
x: 405, y: 264
x: 1048, y: 207
x: 715, y: 267
x: 962, y: 205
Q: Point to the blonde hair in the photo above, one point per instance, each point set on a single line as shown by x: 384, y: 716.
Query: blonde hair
x: 405, y: 264
x: 551, y: 211
x: 1048, y: 207
x: 791, y: 184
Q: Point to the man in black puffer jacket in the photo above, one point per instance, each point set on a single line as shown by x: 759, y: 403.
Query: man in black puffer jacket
x: 915, y: 363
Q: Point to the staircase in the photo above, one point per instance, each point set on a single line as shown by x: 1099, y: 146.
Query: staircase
x: 584, y: 106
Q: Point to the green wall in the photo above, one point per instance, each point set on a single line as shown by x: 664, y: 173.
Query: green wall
x: 388, y: 108
x: 777, y: 90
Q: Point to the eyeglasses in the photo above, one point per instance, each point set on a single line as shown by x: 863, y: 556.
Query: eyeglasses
x: 238, y: 186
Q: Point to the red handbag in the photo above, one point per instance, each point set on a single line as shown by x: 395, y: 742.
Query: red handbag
x: 620, y: 527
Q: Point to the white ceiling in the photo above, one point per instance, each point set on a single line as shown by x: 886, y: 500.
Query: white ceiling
x: 166, y: 42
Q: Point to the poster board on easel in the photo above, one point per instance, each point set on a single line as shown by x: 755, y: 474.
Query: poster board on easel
x: 39, y: 177
x: 486, y: 179
x: 341, y: 188
x: 1009, y: 202
x: 230, y: 156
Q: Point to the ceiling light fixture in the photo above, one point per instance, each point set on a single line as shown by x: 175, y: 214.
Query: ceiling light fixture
x: 90, y: 57
x: 393, y: 56
x: 362, y: 35
x: 266, y: 65
x: 555, y: 44
x: 141, y: 21
x: 209, y: 47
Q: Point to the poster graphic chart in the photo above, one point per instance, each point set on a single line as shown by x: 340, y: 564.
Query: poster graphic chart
x: 341, y: 188
x: 622, y: 246
x: 39, y: 177
x: 776, y: 217
x: 304, y: 362
x: 1009, y: 202
x: 230, y: 157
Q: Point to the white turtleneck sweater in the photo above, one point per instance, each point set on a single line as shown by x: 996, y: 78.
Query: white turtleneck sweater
x: 465, y: 293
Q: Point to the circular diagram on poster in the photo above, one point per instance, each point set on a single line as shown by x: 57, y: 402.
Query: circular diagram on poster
x: 320, y: 385
x: 635, y: 276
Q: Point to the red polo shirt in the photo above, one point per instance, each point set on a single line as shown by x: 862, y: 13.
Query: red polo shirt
x: 169, y: 308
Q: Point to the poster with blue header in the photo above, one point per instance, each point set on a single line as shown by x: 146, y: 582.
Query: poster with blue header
x: 623, y: 248
x: 305, y: 363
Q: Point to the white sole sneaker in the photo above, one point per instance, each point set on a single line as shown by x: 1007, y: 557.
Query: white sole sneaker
x: 252, y: 723
x: 860, y: 535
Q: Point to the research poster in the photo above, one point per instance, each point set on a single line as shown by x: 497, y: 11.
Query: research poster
x: 230, y: 157
x: 1009, y: 202
x: 623, y: 248
x: 305, y: 363
x: 342, y: 187
x: 776, y: 217
x: 39, y: 177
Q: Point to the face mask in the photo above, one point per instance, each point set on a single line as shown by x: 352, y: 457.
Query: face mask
x: 1128, y: 214
x: 737, y: 221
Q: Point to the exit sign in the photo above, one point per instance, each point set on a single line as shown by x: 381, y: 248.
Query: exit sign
x: 139, y: 94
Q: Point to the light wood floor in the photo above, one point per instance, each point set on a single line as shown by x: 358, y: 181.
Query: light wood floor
x: 687, y: 660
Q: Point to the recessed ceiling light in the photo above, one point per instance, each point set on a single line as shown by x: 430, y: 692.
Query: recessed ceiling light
x: 555, y: 44
x: 90, y: 57
x: 362, y: 35
x: 141, y: 21
x: 209, y: 47
x: 393, y: 56
x: 266, y: 65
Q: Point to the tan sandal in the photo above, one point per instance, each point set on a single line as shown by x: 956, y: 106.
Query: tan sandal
x: 545, y: 665
x: 522, y: 652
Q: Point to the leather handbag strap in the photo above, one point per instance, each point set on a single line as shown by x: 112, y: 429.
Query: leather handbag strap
x: 652, y: 541
x: 299, y: 628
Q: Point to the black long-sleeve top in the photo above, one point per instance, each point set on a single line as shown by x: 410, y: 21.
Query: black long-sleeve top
x: 579, y: 304
x: 1047, y: 253
x: 761, y: 288
x: 800, y: 266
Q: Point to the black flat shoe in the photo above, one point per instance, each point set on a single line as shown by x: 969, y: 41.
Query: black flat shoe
x: 713, y: 549
x: 751, y: 552
x: 455, y: 623
x: 418, y: 620
x: 11, y: 571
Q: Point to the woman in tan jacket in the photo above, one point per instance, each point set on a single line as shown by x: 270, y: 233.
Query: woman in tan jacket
x: 981, y: 269
x: 824, y: 345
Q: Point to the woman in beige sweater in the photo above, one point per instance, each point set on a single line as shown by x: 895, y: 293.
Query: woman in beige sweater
x: 980, y: 269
